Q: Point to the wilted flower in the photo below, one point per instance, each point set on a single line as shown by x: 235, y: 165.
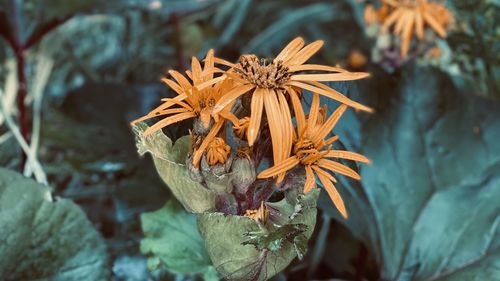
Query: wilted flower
x: 259, y: 215
x: 312, y: 151
x: 217, y: 152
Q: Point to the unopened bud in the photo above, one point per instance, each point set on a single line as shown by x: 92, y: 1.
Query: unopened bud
x: 243, y: 172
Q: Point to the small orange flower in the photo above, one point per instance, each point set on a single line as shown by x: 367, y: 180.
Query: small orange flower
x: 312, y: 151
x: 191, y: 102
x: 409, y: 15
x: 269, y: 82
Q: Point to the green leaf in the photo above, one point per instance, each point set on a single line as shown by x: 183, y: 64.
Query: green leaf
x: 241, y: 249
x: 41, y: 239
x: 428, y: 206
x: 170, y: 162
x: 172, y: 239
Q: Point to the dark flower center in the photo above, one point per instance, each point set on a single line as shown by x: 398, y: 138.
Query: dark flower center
x: 262, y: 73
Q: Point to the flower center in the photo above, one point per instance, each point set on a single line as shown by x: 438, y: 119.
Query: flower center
x: 262, y: 73
x: 306, y: 151
x: 207, y: 102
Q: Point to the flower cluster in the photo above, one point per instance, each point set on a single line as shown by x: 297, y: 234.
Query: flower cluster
x: 261, y: 102
x: 398, y: 21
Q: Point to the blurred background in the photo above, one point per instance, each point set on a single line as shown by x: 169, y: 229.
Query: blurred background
x: 73, y: 74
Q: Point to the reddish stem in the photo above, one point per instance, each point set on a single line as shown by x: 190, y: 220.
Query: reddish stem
x: 21, y: 96
x: 42, y: 30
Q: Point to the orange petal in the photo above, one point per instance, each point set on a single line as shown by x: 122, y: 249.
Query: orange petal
x: 274, y: 120
x: 196, y: 67
x: 407, y: 34
x: 224, y: 62
x: 206, y: 141
x: 328, y: 126
x: 400, y: 24
x: 316, y: 67
x: 435, y: 25
x: 210, y: 82
x: 281, y: 167
x: 313, y: 114
x: 209, y: 63
x: 159, y: 113
x: 330, y: 77
x: 392, y: 19
x: 323, y: 173
x: 310, y: 179
x: 255, y: 115
x: 300, y: 117
x: 291, y: 49
x: 338, y: 168
x: 349, y: 155
x: 185, y: 84
x: 306, y: 53
x: 231, y: 96
x: 321, y: 89
x: 286, y: 125
x: 167, y: 121
x: 334, y: 195
x: 174, y: 86
x: 419, y: 25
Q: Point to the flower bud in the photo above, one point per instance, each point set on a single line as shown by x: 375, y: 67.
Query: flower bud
x: 243, y: 172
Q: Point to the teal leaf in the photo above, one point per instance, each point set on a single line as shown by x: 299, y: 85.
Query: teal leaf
x: 242, y: 249
x: 170, y: 162
x: 428, y: 206
x: 172, y: 239
x: 42, y: 239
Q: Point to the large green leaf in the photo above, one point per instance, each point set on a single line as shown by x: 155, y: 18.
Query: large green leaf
x: 170, y: 162
x: 241, y: 249
x: 428, y: 206
x: 172, y: 238
x: 41, y: 239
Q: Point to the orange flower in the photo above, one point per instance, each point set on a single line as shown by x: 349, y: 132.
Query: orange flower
x: 410, y: 15
x: 269, y: 82
x: 312, y: 151
x: 191, y: 102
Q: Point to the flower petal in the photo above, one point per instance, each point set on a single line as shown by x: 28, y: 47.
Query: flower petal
x: 317, y: 67
x: 167, y: 121
x: 257, y: 105
x: 206, y: 141
x: 435, y: 25
x: 338, y: 168
x: 231, y: 96
x: 334, y: 195
x: 328, y: 126
x: 291, y: 49
x: 321, y: 89
x: 306, y: 53
x: 281, y: 167
x: 174, y: 86
x: 349, y: 155
x: 300, y: 116
x: 330, y: 77
x: 310, y: 179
